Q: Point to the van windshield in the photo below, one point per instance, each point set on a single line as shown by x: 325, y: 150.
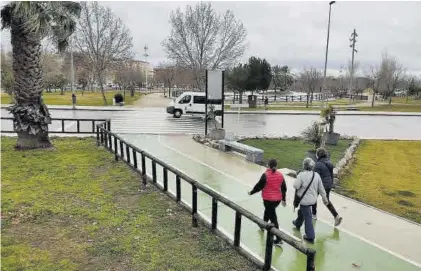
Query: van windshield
x: 185, y: 100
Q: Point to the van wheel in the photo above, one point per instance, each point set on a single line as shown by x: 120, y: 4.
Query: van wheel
x: 177, y: 114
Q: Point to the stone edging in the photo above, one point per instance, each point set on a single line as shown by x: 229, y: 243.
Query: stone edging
x: 206, y: 141
x: 344, y: 162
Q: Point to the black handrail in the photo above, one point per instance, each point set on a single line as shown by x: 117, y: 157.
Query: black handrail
x: 62, y: 130
x: 109, y: 139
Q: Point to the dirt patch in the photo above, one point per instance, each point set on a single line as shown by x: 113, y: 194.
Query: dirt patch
x: 406, y: 193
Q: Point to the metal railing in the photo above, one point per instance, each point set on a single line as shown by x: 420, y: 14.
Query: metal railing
x: 119, y: 147
x: 62, y: 128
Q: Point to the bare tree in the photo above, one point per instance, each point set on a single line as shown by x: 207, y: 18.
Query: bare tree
x: 310, y: 80
x: 128, y: 76
x: 393, y: 74
x: 374, y: 75
x: 166, y: 73
x: 203, y: 39
x: 103, y: 38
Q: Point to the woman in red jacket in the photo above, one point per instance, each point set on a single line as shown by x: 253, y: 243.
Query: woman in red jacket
x: 273, y: 187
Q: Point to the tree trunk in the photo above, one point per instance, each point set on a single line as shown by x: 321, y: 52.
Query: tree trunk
x: 308, y: 96
x: 390, y: 99
x: 101, y: 85
x: 61, y: 91
x: 31, y: 116
x: 241, y: 97
x: 374, y: 97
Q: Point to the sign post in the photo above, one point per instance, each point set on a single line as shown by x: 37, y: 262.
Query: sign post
x: 214, y: 93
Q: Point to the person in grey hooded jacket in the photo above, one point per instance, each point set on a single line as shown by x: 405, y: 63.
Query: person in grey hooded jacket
x: 308, y: 178
x: 325, y: 169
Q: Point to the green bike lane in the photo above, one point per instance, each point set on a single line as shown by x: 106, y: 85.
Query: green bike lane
x: 336, y: 249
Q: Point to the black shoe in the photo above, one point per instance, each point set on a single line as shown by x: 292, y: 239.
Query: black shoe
x: 308, y: 239
x: 277, y: 242
x: 295, y: 225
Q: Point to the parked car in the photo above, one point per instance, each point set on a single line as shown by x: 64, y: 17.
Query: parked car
x: 192, y: 103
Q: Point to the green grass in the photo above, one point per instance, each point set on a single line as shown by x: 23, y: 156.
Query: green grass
x: 75, y: 208
x: 387, y: 175
x: 290, y: 153
x: 88, y: 98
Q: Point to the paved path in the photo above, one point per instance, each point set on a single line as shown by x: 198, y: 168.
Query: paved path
x: 369, y: 239
x: 151, y: 100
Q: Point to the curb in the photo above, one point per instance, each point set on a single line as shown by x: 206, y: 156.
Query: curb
x: 316, y: 113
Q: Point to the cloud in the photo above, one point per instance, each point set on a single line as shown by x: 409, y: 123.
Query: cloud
x: 294, y: 33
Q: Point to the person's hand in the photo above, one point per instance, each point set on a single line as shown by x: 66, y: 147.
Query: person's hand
x: 325, y: 202
x: 284, y: 203
x: 249, y: 193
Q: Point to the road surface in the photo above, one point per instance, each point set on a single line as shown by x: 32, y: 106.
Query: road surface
x: 156, y: 121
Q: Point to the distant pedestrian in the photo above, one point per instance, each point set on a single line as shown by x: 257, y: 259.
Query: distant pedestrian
x: 325, y: 169
x: 308, y: 186
x: 266, y: 102
x: 274, y: 189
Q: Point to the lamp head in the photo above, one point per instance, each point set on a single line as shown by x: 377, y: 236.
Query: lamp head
x: 332, y: 2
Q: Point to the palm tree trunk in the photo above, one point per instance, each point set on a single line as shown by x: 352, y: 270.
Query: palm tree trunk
x: 31, y: 116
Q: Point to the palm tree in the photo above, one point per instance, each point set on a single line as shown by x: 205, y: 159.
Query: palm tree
x: 29, y: 23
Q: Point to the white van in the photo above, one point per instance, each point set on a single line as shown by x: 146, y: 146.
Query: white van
x: 192, y: 103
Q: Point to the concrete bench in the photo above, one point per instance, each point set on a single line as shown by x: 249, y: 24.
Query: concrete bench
x: 254, y: 155
x: 352, y: 108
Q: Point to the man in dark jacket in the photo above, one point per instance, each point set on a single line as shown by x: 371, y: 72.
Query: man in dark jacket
x: 325, y: 169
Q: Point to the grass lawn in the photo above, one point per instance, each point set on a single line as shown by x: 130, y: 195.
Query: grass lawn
x: 75, y: 208
x: 88, y: 98
x: 290, y: 153
x: 387, y: 175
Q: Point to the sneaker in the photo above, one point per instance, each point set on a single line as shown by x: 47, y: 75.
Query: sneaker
x: 314, y: 217
x: 278, y: 242
x: 338, y: 220
x: 308, y: 239
x: 295, y: 225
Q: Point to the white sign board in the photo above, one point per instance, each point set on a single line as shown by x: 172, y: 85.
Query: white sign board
x: 214, y: 84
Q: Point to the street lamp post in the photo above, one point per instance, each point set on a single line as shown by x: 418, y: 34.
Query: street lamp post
x: 72, y: 74
x: 327, y: 45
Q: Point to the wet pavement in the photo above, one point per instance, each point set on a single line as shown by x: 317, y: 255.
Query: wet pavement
x: 363, y: 242
x: 156, y: 121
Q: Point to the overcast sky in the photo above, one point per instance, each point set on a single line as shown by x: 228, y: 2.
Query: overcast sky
x: 294, y: 33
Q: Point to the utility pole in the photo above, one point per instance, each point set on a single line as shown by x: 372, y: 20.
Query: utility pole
x: 353, y: 40
x: 327, y: 48
x: 72, y: 73
x: 146, y: 65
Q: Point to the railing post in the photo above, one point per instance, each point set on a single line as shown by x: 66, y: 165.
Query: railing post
x: 109, y: 125
x: 134, y: 158
x: 310, y: 260
x: 268, y: 252
x: 78, y: 126
x: 115, y: 148
x: 178, y: 187
x: 121, y: 150
x: 110, y: 139
x: 97, y: 136
x: 102, y: 136
x: 165, y: 173
x: 194, y: 205
x: 128, y: 153
x: 93, y: 126
x: 62, y: 126
x: 214, y: 213
x: 105, y: 139
x: 143, y: 168
x: 237, y: 230
x: 154, y: 171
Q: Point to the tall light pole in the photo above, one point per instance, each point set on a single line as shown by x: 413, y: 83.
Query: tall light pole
x: 327, y: 43
x: 353, y: 40
x: 146, y: 64
x: 72, y: 73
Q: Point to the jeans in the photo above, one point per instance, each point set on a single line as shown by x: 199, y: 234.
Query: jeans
x: 330, y: 206
x: 270, y: 212
x: 304, y: 216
